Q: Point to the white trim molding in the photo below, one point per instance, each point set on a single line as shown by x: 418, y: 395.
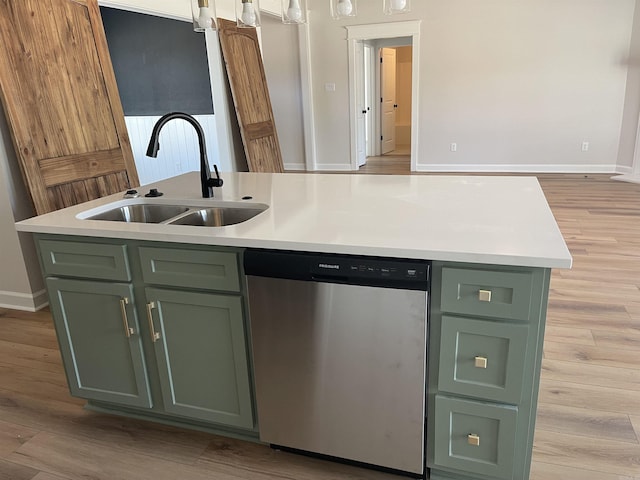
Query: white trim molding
x: 334, y: 167
x: 357, y: 33
x: 306, y: 87
x: 24, y: 301
x: 531, y: 168
x: 633, y: 175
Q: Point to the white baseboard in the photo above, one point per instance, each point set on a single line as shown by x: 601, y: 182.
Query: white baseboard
x: 453, y: 168
x: 631, y: 178
x: 624, y: 170
x: 24, y: 301
x: 334, y: 167
x: 298, y: 167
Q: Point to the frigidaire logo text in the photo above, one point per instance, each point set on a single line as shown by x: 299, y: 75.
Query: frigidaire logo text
x: 326, y: 265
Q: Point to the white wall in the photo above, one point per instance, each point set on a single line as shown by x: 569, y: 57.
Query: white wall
x: 21, y: 285
x: 632, y: 98
x: 517, y: 84
x: 282, y: 69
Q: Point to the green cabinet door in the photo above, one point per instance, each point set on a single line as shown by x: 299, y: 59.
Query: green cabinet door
x: 99, y: 338
x: 201, y: 351
x: 475, y: 437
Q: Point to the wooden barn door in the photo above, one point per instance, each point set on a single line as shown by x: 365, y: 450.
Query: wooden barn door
x: 61, y: 101
x: 241, y: 52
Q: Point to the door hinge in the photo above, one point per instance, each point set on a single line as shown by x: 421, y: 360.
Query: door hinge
x: 381, y: 138
x: 380, y: 59
x: 380, y: 99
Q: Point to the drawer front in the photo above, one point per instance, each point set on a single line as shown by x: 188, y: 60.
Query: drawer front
x: 190, y: 268
x: 481, y: 358
x: 87, y: 260
x: 475, y: 437
x: 488, y: 293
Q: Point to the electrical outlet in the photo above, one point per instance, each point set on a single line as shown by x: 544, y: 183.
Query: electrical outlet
x: 585, y: 146
x: 330, y: 87
x: 453, y: 147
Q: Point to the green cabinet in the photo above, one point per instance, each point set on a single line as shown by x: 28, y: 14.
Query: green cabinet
x: 156, y: 328
x: 480, y: 358
x: 100, y: 341
x: 199, y: 344
x: 485, y: 352
x: 480, y: 437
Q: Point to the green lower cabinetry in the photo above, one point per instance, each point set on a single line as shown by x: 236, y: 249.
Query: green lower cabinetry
x: 201, y: 354
x: 474, y: 436
x: 176, y: 351
x: 100, y: 342
x: 158, y: 331
x: 485, y: 352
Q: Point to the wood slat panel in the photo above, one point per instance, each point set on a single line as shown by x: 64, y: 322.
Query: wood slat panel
x: 260, y: 150
x: 259, y: 130
x: 56, y: 171
x: 241, y: 52
x: 72, y: 193
x: 59, y: 93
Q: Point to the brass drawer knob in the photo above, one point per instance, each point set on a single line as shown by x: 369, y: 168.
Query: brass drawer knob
x: 473, y: 439
x: 484, y: 295
x: 481, y: 362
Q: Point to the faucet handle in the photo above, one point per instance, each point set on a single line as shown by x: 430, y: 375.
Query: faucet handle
x: 215, y: 182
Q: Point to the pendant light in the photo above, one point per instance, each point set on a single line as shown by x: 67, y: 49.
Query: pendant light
x: 204, y: 15
x: 294, y: 11
x: 392, y: 7
x: 247, y: 13
x: 343, y: 8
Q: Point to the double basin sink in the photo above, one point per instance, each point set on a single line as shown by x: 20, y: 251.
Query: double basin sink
x: 219, y: 215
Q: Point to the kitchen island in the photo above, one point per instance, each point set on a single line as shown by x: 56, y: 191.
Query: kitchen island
x: 491, y: 240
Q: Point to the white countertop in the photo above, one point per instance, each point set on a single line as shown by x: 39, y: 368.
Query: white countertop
x: 480, y: 219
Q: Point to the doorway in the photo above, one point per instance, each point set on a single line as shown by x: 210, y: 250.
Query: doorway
x: 366, y: 86
x: 395, y: 96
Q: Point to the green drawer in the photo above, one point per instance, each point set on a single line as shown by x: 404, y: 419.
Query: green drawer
x: 481, y: 358
x: 488, y: 293
x: 459, y: 424
x: 87, y: 260
x: 190, y: 268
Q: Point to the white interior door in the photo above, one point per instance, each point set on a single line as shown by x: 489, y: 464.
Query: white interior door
x: 361, y: 122
x: 370, y: 95
x: 388, y: 90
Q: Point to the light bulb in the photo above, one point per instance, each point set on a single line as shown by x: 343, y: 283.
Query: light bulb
x: 248, y: 16
x: 398, y: 4
x: 344, y: 8
x: 294, y: 12
x: 204, y: 19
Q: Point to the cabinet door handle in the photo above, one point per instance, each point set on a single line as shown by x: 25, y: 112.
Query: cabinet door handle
x: 473, y: 439
x: 128, y: 331
x: 484, y: 295
x: 155, y: 336
x: 480, y: 362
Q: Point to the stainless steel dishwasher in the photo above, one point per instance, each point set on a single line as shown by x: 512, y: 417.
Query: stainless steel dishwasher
x: 339, y: 346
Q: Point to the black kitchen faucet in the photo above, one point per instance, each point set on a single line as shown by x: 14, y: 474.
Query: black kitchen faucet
x: 205, y: 173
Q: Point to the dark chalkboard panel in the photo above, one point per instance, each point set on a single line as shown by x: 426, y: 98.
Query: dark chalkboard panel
x: 160, y: 64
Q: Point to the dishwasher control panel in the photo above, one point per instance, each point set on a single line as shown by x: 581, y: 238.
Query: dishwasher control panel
x: 338, y: 268
x: 370, y: 268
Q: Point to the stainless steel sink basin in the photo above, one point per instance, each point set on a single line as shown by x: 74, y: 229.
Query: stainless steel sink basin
x: 141, y: 213
x: 217, y: 216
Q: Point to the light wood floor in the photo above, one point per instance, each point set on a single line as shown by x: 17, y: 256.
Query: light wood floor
x: 589, y: 413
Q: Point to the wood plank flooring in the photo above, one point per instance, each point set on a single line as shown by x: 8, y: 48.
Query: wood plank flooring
x: 588, y: 424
